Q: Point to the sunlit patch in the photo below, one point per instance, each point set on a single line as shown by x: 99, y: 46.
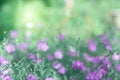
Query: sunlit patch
x: 29, y: 25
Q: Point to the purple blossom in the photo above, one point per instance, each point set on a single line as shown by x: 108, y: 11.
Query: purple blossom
x: 31, y: 56
x: 93, y: 59
x: 117, y: 67
x: 92, y: 45
x: 22, y: 47
x: 87, y: 57
x: 3, y: 61
x: 108, y: 45
x: 7, y: 77
x: 91, y: 76
x: 107, y: 63
x: 5, y: 72
x: 72, y: 52
x: 102, y: 37
x: 31, y: 77
x: 100, y: 71
x: 10, y: 48
x: 116, y: 57
x: 96, y: 75
x: 50, y: 57
x: 35, y: 59
x: 62, y: 70
x: 50, y: 78
x: 61, y: 37
x: 104, y: 40
x: 58, y: 54
x: 13, y: 34
x: 56, y: 65
x: 42, y: 45
x: 78, y: 65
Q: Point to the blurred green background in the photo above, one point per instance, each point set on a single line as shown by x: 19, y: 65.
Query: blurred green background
x: 47, y: 18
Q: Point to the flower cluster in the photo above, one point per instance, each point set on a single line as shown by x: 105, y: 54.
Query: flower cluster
x: 45, y: 62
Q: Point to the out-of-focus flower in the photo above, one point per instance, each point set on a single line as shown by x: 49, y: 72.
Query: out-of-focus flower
x: 104, y: 40
x: 22, y: 47
x: 102, y: 37
x: 108, y: 45
x: 100, y: 57
x: 93, y: 59
x: 72, y: 52
x: 78, y: 65
x: 98, y: 73
x: 31, y: 56
x: 91, y: 76
x: 35, y: 59
x: 7, y: 77
x: 42, y: 45
x: 50, y: 78
x: 3, y: 61
x: 10, y: 48
x: 116, y: 57
x: 32, y: 77
x: 117, y: 67
x: 87, y: 57
x: 56, y: 65
x: 13, y: 34
x: 58, y: 54
x: 92, y: 45
x: 62, y: 70
x: 61, y: 37
x: 50, y: 57
x: 5, y: 72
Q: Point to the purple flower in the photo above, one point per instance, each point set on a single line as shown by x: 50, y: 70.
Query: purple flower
x: 104, y: 40
x: 31, y: 77
x: 92, y: 45
x: 102, y: 37
x: 56, y: 65
x: 117, y: 67
x: 35, y: 59
x: 96, y: 75
x: 50, y: 57
x: 62, y: 70
x: 61, y: 37
x: 7, y: 77
x: 42, y: 45
x: 116, y: 57
x: 108, y: 45
x: 107, y: 63
x: 58, y: 55
x: 91, y: 76
x: 31, y: 56
x: 13, y: 34
x: 78, y: 65
x: 87, y: 57
x: 72, y: 52
x: 3, y: 61
x: 50, y: 78
x: 22, y: 47
x: 10, y: 48
x: 5, y: 72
